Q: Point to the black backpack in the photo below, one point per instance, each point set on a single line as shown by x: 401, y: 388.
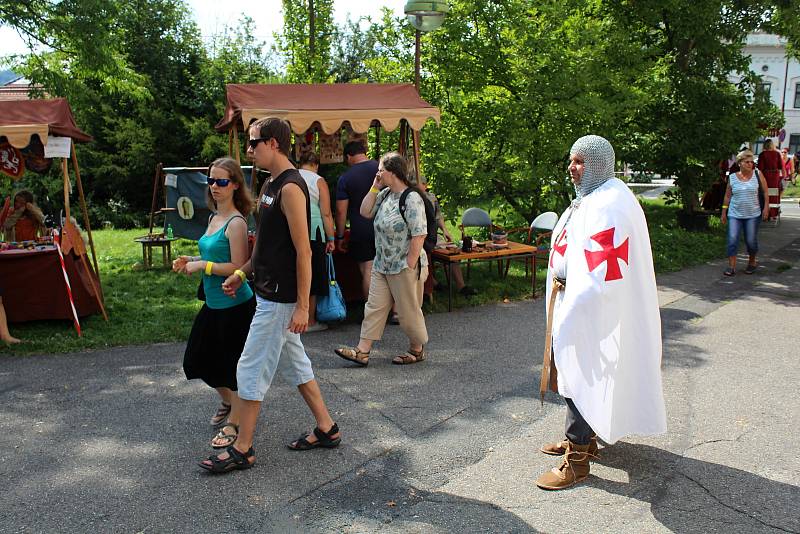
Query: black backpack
x: 430, y: 216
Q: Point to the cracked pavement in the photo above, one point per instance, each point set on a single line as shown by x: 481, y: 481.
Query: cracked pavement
x: 109, y: 440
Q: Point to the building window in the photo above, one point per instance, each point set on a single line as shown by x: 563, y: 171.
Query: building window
x: 794, y: 143
x: 797, y: 95
x: 764, y: 88
x: 758, y: 145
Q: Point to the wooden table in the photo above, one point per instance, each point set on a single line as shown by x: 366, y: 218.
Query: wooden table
x: 449, y: 256
x: 147, y: 249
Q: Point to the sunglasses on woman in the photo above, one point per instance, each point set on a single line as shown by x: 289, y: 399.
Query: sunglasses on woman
x: 221, y: 182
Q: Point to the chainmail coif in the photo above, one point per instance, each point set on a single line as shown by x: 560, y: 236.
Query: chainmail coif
x: 598, y: 160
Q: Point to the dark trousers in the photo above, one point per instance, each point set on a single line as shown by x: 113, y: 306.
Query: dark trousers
x: 576, y: 428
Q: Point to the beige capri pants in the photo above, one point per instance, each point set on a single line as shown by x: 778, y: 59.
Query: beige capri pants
x: 404, y: 289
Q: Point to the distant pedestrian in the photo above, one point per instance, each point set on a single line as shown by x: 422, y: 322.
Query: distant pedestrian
x: 603, y: 323
x: 281, y: 263
x: 741, y: 211
x: 322, y: 242
x: 221, y: 326
x: 400, y: 268
x: 351, y: 189
x: 771, y: 166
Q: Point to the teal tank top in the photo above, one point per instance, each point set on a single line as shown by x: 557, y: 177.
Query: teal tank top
x: 217, y: 248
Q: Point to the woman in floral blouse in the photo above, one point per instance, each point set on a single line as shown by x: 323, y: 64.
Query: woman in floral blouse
x: 399, y: 269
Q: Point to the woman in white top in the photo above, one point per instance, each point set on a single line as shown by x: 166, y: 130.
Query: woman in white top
x: 321, y: 233
x: 741, y: 210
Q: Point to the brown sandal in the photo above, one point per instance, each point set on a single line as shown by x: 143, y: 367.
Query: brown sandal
x: 352, y: 354
x: 410, y: 356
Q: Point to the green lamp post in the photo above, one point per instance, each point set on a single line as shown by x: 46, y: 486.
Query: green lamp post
x: 425, y: 17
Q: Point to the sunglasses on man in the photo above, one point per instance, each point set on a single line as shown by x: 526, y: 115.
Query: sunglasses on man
x: 221, y: 182
x: 254, y: 142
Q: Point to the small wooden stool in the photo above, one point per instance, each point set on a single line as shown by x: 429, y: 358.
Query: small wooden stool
x: 147, y: 249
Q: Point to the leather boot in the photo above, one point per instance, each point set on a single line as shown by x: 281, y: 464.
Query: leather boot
x: 559, y: 448
x: 574, y: 468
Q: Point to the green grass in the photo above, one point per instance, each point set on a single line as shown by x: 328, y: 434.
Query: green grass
x: 792, y: 191
x: 158, y: 305
x: 144, y: 306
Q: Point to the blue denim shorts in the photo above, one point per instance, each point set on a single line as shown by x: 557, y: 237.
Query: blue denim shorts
x: 271, y: 348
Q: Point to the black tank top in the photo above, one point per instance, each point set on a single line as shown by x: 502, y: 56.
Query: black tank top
x: 274, y: 256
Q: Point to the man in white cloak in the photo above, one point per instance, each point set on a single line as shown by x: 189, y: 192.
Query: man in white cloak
x: 605, y: 349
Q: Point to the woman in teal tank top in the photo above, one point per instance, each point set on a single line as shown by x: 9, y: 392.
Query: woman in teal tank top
x: 220, y: 328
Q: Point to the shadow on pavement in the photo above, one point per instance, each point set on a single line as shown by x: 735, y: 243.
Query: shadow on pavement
x: 691, y: 495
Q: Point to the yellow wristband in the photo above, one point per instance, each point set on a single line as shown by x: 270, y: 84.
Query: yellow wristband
x: 240, y: 274
x: 209, y: 265
x: 724, y: 207
x: 374, y: 189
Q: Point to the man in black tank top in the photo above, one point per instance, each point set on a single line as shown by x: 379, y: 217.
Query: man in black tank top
x: 281, y: 265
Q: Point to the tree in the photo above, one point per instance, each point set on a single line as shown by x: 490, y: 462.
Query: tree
x: 70, y: 39
x: 692, y: 116
x: 306, y: 40
x: 517, y: 84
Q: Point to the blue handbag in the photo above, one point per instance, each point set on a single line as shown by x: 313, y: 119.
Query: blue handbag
x: 331, y: 307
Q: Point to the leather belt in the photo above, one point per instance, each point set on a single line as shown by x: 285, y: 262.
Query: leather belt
x: 549, y: 373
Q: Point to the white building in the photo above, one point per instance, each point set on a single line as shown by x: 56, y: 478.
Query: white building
x: 781, y: 79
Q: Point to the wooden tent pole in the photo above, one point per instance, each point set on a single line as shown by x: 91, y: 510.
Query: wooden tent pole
x: 230, y: 142
x: 77, y: 170
x: 153, y: 202
x: 402, y: 143
x: 66, y: 190
x: 377, y: 141
x: 415, y: 141
x: 235, y: 139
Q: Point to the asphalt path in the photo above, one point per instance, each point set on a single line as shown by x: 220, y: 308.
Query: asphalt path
x: 108, y: 440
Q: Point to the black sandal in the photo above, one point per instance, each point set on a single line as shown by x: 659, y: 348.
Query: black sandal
x: 235, y: 461
x: 230, y: 439
x: 324, y: 439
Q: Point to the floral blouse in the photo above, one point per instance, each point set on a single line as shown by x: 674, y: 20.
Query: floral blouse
x: 392, y: 235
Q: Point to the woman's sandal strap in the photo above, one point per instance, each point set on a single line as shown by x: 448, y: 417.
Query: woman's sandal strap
x: 352, y: 354
x: 410, y: 356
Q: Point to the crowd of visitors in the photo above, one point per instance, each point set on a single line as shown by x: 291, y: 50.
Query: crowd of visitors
x: 257, y: 304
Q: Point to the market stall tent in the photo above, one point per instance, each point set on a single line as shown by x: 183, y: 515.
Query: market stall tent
x: 49, y: 119
x: 328, y: 106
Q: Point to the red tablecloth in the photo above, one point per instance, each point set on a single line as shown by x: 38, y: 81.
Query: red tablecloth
x: 34, y: 288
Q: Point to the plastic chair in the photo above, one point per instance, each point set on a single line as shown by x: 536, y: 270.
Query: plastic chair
x: 539, y: 232
x: 477, y: 218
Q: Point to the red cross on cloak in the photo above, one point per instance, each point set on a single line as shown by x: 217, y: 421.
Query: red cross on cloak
x: 560, y: 246
x: 609, y: 254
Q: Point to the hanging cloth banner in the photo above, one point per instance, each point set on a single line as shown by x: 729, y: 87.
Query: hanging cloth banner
x: 12, y: 162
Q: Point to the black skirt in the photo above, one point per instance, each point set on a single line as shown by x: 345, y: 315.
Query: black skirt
x: 216, y: 343
x: 319, y: 269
